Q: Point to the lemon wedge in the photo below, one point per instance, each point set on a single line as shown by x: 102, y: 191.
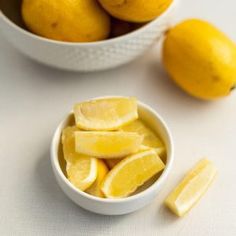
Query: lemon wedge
x: 68, y: 143
x: 95, y: 188
x: 159, y: 151
x: 104, y: 144
x: 150, y: 139
x: 191, y: 188
x: 81, y: 169
x: 82, y: 172
x: 130, y: 173
x: 105, y: 113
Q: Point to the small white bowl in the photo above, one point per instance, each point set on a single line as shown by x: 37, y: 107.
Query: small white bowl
x: 81, y: 56
x: 114, y: 206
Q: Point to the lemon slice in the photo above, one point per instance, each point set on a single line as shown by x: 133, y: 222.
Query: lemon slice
x: 131, y: 173
x: 159, y: 151
x: 104, y: 144
x: 81, y: 170
x: 150, y: 139
x: 191, y: 188
x: 68, y: 143
x: 95, y: 188
x: 105, y: 113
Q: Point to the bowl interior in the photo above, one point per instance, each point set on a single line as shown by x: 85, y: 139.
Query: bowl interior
x: 12, y: 9
x: 152, y: 121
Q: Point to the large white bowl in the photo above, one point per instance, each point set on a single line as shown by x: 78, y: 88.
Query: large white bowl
x: 114, y: 206
x: 85, y: 56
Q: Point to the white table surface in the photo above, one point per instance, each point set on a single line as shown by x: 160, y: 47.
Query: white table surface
x: 34, y: 98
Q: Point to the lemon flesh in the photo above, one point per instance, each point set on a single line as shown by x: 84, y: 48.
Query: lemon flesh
x: 150, y: 139
x: 105, y: 144
x: 131, y: 173
x: 191, y: 188
x: 68, y: 143
x: 159, y: 151
x: 81, y: 169
x: 105, y: 114
x: 135, y: 10
x: 66, y: 20
x: 200, y: 59
x: 95, y: 188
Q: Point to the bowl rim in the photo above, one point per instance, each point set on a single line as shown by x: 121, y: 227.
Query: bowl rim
x: 56, y: 166
x: 95, y: 43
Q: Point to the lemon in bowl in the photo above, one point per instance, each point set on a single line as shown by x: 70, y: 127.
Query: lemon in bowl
x: 81, y: 56
x: 111, y: 193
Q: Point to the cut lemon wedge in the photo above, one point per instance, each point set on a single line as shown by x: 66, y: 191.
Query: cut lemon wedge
x: 104, y: 144
x: 105, y: 113
x: 68, y: 142
x: 191, y: 188
x: 130, y: 173
x: 95, y: 188
x: 150, y: 139
x: 159, y: 151
x: 81, y: 170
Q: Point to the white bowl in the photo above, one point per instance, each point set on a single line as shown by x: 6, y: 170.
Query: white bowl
x: 114, y: 206
x: 83, y: 56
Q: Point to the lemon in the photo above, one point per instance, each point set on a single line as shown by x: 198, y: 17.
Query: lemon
x: 200, y: 59
x: 130, y: 173
x: 81, y: 169
x: 105, y: 113
x: 159, y: 151
x: 150, y: 139
x: 191, y: 188
x: 135, y: 10
x: 68, y: 142
x: 82, y: 172
x: 66, y: 20
x: 105, y: 144
x: 95, y: 188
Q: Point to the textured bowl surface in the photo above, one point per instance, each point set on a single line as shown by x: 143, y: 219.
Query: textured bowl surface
x: 113, y: 206
x: 84, y: 56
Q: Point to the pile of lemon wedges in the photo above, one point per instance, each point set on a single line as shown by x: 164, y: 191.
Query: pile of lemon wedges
x: 110, y: 152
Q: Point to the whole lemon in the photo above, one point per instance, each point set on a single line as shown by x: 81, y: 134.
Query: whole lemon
x: 66, y: 20
x: 135, y: 10
x: 200, y: 59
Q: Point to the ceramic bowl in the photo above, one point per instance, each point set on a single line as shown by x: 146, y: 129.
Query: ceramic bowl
x: 81, y: 56
x: 114, y: 206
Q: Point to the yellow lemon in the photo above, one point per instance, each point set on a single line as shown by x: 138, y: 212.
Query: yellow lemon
x: 135, y: 10
x: 68, y: 142
x: 81, y: 169
x: 151, y: 139
x: 131, y: 173
x: 66, y: 20
x: 161, y: 152
x: 95, y: 188
x: 200, y: 59
x: 105, y: 144
x: 191, y: 188
x: 105, y: 113
x: 82, y: 172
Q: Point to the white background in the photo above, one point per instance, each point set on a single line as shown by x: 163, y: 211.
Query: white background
x: 34, y: 98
